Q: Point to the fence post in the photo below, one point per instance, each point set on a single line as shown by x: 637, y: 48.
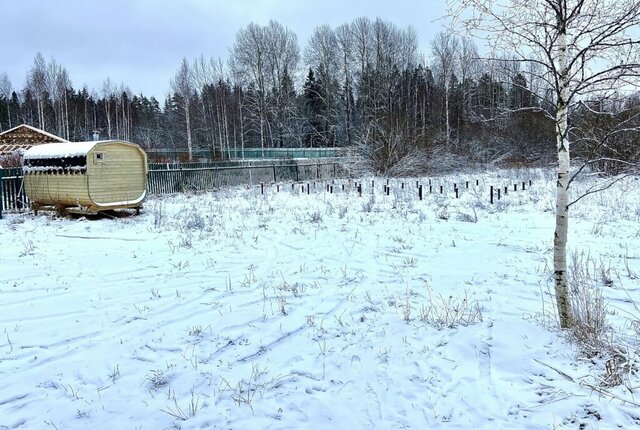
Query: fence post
x: 297, y: 174
x: 491, y: 195
x: 274, y: 173
x: 317, y: 170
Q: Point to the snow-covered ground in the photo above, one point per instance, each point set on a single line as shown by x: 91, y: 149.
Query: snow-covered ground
x: 237, y: 310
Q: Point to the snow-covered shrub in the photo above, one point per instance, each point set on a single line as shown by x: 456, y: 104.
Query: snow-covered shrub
x: 315, y: 217
x: 369, y: 204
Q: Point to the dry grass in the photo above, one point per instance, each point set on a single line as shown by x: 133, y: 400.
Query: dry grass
x: 589, y: 310
x: 450, y: 311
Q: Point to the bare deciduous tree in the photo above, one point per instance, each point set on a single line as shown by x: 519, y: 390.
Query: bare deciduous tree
x: 322, y: 54
x: 37, y: 84
x: 108, y: 93
x: 183, y: 87
x: 445, y: 49
x: 263, y: 58
x: 58, y: 84
x: 345, y: 46
x: 583, y: 49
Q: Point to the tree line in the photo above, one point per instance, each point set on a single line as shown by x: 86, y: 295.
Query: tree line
x: 363, y: 84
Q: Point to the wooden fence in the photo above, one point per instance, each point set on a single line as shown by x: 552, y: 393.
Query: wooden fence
x: 176, y: 178
x: 12, y: 195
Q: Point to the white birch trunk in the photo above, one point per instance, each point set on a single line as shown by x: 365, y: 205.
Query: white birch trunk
x: 241, y: 113
x: 446, y: 108
x: 562, y: 194
x: 107, y: 108
x: 188, y: 124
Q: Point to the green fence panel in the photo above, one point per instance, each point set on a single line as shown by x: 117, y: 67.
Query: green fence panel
x: 178, y: 179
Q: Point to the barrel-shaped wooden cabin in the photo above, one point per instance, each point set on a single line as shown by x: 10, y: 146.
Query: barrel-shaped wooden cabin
x: 86, y: 177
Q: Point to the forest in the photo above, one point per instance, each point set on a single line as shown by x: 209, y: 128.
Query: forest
x: 364, y: 84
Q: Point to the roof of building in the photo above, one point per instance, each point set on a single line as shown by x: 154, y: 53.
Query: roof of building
x: 60, y: 150
x: 23, y: 137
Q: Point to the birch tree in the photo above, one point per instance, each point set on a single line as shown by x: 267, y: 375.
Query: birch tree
x: 58, y: 84
x: 37, y: 84
x: 322, y: 55
x: 468, y: 66
x: 262, y: 58
x: 183, y: 87
x: 209, y: 77
x: 445, y: 50
x: 344, y: 41
x: 584, y: 49
x: 108, y: 94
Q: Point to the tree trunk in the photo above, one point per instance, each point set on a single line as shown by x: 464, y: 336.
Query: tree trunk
x: 446, y: 112
x: 562, y: 193
x: 107, y: 105
x: 188, y: 125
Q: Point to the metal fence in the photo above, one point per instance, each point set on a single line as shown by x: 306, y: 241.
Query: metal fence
x: 186, y: 178
x: 181, y: 155
x: 166, y: 178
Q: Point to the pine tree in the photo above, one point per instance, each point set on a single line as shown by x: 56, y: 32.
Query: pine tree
x: 315, y: 111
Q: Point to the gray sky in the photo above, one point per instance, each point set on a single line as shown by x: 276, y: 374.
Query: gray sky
x: 141, y: 42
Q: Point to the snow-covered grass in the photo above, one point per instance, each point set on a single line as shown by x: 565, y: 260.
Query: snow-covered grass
x: 234, y: 309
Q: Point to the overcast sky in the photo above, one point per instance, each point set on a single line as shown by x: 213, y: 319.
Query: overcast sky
x: 141, y: 42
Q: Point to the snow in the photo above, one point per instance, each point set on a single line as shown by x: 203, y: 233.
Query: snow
x: 39, y: 169
x: 233, y: 309
x: 59, y: 150
x: 124, y: 202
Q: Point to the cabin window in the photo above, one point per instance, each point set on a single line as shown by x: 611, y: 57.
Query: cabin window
x: 73, y: 164
x: 99, y: 157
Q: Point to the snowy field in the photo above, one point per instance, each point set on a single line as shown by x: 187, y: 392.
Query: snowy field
x: 236, y: 310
